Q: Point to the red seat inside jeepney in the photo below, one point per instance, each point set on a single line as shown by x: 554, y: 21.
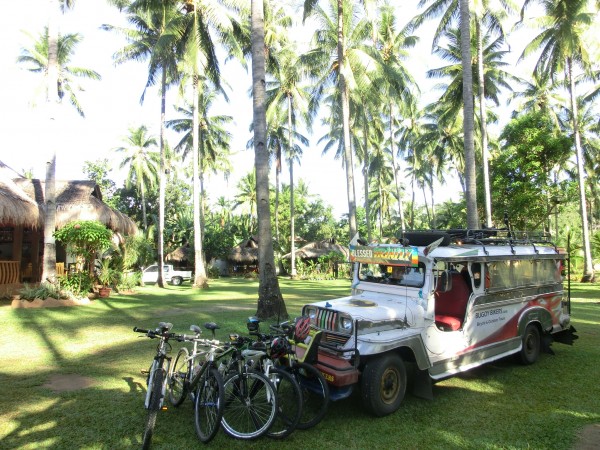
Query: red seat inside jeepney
x: 450, y: 306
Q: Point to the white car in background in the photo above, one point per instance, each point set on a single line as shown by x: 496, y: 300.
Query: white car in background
x: 170, y: 275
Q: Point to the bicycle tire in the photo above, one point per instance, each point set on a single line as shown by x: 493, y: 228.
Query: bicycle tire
x: 315, y: 394
x: 178, y: 377
x: 250, y: 405
x: 208, y: 405
x: 156, y: 381
x: 289, y: 404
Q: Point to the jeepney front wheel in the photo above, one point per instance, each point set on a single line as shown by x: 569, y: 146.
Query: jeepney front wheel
x: 383, y: 385
x: 532, y: 344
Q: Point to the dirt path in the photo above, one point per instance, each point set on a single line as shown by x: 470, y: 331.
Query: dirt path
x: 588, y: 438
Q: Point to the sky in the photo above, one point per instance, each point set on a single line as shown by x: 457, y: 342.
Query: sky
x: 112, y: 106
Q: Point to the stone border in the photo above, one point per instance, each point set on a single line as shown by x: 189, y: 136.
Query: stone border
x: 49, y: 303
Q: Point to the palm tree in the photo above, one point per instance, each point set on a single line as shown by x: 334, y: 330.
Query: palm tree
x: 270, y: 300
x: 451, y: 10
x: 246, y: 198
x: 151, y: 39
x: 397, y: 83
x: 286, y: 95
x: 143, y: 163
x: 49, y: 263
x: 562, y: 49
x: 539, y: 94
x: 35, y: 59
x: 337, y: 52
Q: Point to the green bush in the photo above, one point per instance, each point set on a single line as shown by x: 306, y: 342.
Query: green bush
x: 129, y: 280
x: 43, y: 291
x: 78, y: 283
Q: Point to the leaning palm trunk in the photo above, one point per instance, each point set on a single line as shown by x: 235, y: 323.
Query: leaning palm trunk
x: 49, y: 259
x: 346, y: 124
x: 469, y: 122
x: 270, y: 300
x: 200, y: 280
x: 484, y: 137
x: 588, y: 269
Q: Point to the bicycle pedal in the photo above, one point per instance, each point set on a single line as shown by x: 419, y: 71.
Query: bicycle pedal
x: 164, y: 408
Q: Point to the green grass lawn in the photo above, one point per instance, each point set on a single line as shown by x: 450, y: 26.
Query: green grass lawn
x: 501, y: 405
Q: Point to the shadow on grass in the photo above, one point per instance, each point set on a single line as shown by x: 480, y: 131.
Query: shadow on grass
x: 500, y: 405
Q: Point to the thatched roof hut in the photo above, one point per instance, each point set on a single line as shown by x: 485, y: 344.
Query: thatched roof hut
x: 314, y: 250
x: 181, y: 254
x: 78, y: 200
x: 245, y: 253
x: 16, y: 208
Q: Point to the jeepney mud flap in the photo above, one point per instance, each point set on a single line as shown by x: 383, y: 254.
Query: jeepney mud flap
x: 567, y: 336
x: 422, y: 384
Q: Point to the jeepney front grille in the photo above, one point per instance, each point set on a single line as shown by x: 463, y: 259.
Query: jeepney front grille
x: 327, y: 320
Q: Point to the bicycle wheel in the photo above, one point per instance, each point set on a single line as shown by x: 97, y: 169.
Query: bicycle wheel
x: 250, y: 405
x: 289, y: 404
x: 155, y: 389
x: 178, y: 374
x: 208, y: 406
x: 315, y: 394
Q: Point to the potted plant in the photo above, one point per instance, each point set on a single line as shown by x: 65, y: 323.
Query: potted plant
x: 107, y: 276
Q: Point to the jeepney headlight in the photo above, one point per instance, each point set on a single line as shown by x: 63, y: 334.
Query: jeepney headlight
x: 345, y: 323
x: 311, y: 312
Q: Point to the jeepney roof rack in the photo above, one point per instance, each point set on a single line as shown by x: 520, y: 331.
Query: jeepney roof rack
x: 484, y: 237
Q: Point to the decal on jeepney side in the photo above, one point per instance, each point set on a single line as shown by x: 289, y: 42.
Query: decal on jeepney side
x: 490, y: 316
x: 397, y: 256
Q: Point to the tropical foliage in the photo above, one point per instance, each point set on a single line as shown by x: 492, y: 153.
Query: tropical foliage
x: 351, y: 74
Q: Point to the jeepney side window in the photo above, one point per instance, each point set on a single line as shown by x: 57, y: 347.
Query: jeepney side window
x: 500, y: 274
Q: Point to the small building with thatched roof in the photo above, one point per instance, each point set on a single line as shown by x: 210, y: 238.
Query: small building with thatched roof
x: 22, y: 204
x: 314, y: 250
x: 243, y: 258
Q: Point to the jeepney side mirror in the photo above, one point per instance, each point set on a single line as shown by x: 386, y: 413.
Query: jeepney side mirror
x: 444, y: 283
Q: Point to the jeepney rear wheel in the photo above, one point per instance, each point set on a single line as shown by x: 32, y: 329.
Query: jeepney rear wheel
x: 383, y: 385
x: 532, y: 344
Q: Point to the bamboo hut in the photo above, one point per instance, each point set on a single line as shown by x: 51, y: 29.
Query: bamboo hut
x: 314, y: 250
x: 79, y: 200
x: 22, y: 204
x: 243, y: 258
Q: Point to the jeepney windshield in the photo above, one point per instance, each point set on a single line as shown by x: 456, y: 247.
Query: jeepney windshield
x: 412, y: 276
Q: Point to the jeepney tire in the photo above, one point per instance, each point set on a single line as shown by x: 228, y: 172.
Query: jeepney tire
x: 176, y: 281
x: 532, y: 344
x: 383, y: 384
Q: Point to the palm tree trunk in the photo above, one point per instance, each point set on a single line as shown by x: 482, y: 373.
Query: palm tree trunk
x: 270, y: 300
x: 277, y: 187
x: 366, y: 179
x: 291, y: 157
x: 49, y: 258
x: 484, y: 137
x: 396, y: 168
x: 200, y: 280
x: 346, y: 124
x: 468, y: 116
x: 161, y: 182
x: 588, y: 269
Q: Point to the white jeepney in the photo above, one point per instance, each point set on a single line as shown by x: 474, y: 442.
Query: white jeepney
x: 440, y: 303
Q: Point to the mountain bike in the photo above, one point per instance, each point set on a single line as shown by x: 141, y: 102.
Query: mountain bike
x: 251, y: 401
x: 258, y: 355
x: 157, y: 377
x: 197, y: 374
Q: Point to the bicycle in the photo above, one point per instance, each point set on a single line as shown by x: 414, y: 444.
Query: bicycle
x: 295, y: 339
x: 157, y: 380
x: 197, y: 374
x: 260, y: 355
x: 251, y: 402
